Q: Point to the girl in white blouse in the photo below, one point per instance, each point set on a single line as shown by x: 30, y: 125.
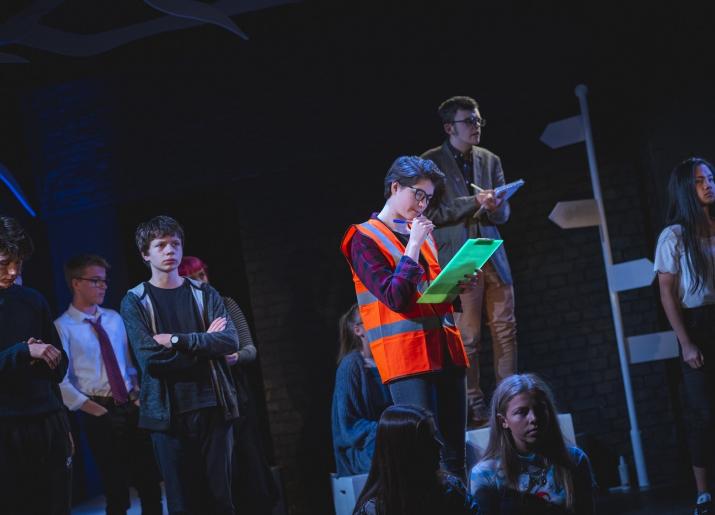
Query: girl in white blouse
x: 684, y: 260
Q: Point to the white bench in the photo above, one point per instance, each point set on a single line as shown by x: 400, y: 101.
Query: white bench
x: 346, y: 491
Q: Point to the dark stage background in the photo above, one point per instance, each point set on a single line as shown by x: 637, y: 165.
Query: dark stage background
x: 266, y: 151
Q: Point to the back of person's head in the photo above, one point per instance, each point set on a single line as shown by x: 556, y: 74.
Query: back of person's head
x: 448, y: 109
x: 75, y: 266
x: 551, y: 445
x: 15, y: 243
x: 408, y: 170
x: 158, y: 227
x: 191, y: 265
x: 404, y: 471
x: 349, y: 341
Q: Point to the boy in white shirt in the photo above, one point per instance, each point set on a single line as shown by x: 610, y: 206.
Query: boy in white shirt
x: 101, y: 382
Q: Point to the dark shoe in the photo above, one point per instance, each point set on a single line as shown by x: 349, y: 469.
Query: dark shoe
x: 704, y: 508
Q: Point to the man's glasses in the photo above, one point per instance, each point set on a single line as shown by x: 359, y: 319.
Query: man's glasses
x: 473, y: 121
x: 420, y: 195
x: 95, y: 282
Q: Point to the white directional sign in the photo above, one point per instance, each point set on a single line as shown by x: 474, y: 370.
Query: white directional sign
x: 574, y: 214
x: 652, y: 347
x: 630, y: 275
x: 564, y: 132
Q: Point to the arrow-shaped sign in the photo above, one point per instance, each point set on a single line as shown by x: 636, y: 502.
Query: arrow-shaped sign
x: 564, y: 132
x: 574, y: 214
x: 630, y: 275
x: 652, y: 347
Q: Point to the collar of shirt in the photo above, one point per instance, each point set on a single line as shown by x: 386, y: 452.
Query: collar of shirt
x: 79, y: 316
x: 459, y: 156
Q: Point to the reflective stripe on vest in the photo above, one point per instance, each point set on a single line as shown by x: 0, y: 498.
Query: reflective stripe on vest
x: 390, y: 246
x: 404, y: 326
x: 365, y: 298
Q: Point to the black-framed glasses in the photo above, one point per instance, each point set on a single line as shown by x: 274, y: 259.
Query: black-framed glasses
x: 420, y: 195
x: 474, y: 121
x: 95, y: 282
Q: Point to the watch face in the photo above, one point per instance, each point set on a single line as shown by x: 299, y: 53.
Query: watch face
x: 174, y: 339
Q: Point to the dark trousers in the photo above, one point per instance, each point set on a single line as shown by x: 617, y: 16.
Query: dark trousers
x: 699, y: 386
x: 35, y: 465
x: 124, y: 457
x: 444, y: 394
x: 254, y: 490
x: 194, y: 457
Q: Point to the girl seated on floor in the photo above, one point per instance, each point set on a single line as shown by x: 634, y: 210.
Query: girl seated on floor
x: 405, y: 477
x: 528, y: 467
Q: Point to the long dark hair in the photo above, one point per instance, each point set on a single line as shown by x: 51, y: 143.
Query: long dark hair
x: 349, y: 341
x: 405, y: 467
x: 685, y: 210
x: 501, y: 444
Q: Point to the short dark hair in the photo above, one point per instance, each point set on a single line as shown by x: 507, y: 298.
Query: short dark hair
x: 448, y: 109
x: 407, y: 170
x: 74, y: 266
x: 158, y: 227
x: 14, y: 241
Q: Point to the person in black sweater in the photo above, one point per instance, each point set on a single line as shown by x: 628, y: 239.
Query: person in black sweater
x: 35, y: 441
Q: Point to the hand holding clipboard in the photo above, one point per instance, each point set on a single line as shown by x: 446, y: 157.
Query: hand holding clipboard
x: 504, y: 192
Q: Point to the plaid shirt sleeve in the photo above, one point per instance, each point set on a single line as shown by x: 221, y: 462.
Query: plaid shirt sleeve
x: 395, y: 288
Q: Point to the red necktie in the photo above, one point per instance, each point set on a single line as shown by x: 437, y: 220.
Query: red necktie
x: 116, y: 383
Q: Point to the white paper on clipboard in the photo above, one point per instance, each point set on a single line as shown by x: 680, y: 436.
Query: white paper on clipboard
x: 504, y: 192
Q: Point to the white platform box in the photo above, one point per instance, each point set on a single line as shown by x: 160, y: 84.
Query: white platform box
x: 346, y: 491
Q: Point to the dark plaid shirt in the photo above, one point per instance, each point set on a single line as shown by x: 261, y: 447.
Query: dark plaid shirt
x: 464, y: 163
x: 396, y: 287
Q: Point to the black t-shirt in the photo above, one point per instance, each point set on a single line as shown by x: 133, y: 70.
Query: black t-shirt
x: 25, y: 389
x: 177, y: 313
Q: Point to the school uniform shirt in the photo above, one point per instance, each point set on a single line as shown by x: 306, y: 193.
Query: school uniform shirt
x: 670, y: 257
x: 87, y: 375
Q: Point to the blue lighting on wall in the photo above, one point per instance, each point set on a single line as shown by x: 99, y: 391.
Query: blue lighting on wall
x: 14, y: 187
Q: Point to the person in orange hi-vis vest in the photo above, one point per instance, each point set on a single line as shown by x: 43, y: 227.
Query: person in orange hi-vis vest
x: 416, y: 347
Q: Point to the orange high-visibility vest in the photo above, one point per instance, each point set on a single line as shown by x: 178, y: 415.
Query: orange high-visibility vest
x: 405, y: 344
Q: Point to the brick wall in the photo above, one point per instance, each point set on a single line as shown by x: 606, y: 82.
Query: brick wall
x: 300, y: 284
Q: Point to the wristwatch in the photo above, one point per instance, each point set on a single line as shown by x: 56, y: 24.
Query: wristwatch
x: 174, y: 339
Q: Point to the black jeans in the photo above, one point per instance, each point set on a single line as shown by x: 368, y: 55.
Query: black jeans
x: 444, y: 393
x: 124, y: 456
x: 195, y: 460
x: 35, y: 465
x: 699, y: 385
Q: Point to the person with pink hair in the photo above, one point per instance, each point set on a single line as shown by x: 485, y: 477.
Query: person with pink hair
x: 253, y: 487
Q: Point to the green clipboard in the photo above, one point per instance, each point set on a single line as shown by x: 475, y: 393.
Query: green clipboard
x: 473, y: 254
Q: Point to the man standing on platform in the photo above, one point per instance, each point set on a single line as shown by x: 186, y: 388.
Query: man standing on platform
x: 102, y: 383
x: 180, y: 332
x: 35, y: 441
x: 465, y: 206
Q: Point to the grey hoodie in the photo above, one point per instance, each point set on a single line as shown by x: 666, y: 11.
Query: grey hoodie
x: 156, y: 363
